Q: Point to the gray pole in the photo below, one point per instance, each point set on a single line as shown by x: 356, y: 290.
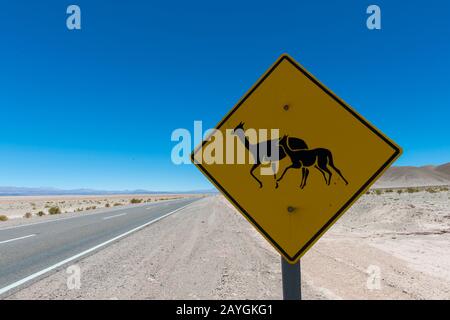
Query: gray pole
x: 291, y: 280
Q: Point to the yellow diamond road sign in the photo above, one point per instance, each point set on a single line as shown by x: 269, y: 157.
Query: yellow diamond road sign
x: 328, y: 156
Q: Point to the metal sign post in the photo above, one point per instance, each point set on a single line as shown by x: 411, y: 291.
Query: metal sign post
x: 291, y: 280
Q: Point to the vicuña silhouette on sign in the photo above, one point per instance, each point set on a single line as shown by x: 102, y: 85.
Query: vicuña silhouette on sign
x: 262, y: 150
x: 320, y: 158
x: 296, y: 149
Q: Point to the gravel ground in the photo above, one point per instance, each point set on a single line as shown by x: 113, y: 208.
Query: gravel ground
x: 209, y: 251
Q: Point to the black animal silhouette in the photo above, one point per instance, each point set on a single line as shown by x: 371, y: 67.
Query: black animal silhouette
x: 262, y: 150
x: 320, y: 158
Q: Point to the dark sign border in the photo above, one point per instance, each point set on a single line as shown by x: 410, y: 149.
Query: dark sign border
x: 397, y: 152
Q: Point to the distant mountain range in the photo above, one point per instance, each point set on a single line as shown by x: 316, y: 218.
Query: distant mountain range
x: 409, y: 176
x: 401, y: 176
x: 44, y: 191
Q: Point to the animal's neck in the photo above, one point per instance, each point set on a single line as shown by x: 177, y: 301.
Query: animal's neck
x: 285, y: 146
x: 246, y: 143
x: 244, y: 140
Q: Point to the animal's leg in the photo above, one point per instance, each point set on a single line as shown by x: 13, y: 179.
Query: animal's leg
x: 284, y: 172
x: 275, y: 170
x: 256, y: 165
x: 330, y: 162
x: 305, y: 177
x: 282, y: 175
x: 322, y: 172
x: 322, y: 163
x: 329, y: 174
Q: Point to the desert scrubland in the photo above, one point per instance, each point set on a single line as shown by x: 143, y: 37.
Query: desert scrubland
x: 14, y: 207
x: 392, y: 244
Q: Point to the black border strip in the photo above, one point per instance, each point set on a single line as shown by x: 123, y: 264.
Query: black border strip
x: 397, y: 151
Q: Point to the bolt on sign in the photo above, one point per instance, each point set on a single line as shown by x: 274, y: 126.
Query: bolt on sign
x: 323, y: 158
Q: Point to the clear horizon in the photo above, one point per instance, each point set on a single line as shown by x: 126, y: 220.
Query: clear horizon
x: 95, y: 108
x: 211, y: 187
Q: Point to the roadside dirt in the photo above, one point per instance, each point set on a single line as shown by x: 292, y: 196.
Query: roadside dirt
x: 209, y: 251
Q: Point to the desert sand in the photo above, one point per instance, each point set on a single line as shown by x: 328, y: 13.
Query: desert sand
x: 389, y: 245
x: 17, y: 206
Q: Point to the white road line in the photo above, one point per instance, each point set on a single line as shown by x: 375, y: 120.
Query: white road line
x: 57, y: 219
x: 117, y: 215
x: 11, y: 240
x: 61, y: 263
x: 35, y: 223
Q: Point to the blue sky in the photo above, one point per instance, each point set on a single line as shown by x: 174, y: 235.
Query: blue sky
x: 96, y: 107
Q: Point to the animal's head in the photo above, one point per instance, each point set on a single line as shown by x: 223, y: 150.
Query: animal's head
x: 239, y: 126
x: 283, y: 139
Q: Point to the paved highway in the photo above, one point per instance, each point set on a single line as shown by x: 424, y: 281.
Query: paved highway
x: 30, y: 251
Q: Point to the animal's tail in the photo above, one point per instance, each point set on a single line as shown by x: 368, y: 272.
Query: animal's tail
x: 331, y: 163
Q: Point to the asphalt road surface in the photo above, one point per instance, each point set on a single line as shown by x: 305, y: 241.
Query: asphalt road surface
x: 28, y: 252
